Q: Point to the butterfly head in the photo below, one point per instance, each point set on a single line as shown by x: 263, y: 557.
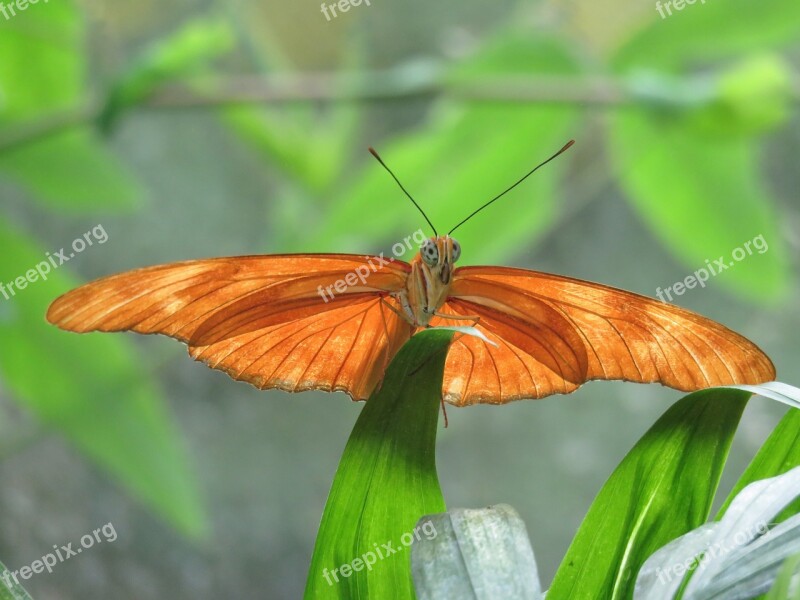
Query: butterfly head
x: 439, y: 253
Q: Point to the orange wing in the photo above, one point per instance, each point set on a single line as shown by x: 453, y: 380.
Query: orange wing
x: 260, y: 319
x: 555, y: 333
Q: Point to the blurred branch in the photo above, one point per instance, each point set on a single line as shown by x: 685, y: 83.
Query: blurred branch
x: 391, y: 85
x: 422, y: 80
x: 388, y: 86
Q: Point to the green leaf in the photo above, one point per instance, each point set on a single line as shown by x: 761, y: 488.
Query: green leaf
x: 71, y: 171
x: 11, y: 590
x: 385, y: 482
x: 662, y: 489
x: 184, y: 52
x: 312, y: 146
x: 779, y: 453
x: 749, y: 97
x: 91, y: 389
x: 41, y: 78
x: 752, y: 96
x: 704, y: 199
x: 43, y: 67
x: 276, y: 138
x: 313, y: 149
x: 466, y: 154
x: 708, y: 30
x: 783, y: 583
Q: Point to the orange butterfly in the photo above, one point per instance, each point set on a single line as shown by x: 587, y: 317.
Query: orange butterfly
x: 261, y: 320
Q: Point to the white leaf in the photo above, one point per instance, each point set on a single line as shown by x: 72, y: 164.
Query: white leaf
x: 661, y: 575
x: 473, y: 331
x: 737, y: 557
x: 482, y: 554
x: 775, y: 390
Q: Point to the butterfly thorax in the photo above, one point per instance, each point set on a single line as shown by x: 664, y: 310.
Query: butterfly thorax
x: 428, y: 284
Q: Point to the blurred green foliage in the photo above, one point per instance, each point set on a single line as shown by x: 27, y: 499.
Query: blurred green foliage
x: 682, y: 132
x: 43, y: 76
x: 118, y: 418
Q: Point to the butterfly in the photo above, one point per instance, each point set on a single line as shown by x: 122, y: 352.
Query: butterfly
x: 333, y: 322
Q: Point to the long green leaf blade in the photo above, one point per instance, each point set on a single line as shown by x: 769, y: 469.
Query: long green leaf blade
x: 663, y: 488
x: 779, y: 454
x: 385, y: 482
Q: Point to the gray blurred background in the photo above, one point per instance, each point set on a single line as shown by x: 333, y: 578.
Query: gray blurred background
x: 263, y: 461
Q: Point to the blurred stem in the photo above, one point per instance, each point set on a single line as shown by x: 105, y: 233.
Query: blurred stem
x: 417, y: 80
x: 421, y: 81
x: 413, y: 81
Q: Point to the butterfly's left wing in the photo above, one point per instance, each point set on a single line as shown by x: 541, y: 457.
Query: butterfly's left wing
x: 294, y: 322
x: 555, y: 333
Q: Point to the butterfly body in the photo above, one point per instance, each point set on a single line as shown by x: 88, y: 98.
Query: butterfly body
x: 428, y: 285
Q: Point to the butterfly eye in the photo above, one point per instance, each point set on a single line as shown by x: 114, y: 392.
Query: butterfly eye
x: 430, y: 253
x: 456, y: 251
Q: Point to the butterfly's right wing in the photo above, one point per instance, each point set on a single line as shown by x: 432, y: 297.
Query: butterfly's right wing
x: 554, y: 333
x: 273, y: 321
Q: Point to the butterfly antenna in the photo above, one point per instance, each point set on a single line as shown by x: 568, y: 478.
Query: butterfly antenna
x: 504, y: 192
x: 380, y: 160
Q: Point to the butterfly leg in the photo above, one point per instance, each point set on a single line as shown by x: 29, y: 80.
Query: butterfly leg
x: 474, y: 318
x: 398, y: 312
